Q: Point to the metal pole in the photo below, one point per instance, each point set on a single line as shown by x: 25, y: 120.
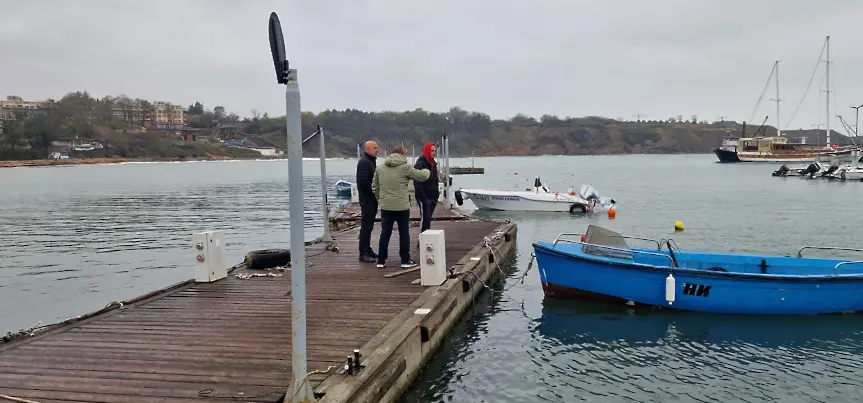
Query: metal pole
x: 445, y: 173
x: 856, y: 119
x: 446, y: 177
x: 325, y: 204
x: 827, y: 79
x: 301, y: 391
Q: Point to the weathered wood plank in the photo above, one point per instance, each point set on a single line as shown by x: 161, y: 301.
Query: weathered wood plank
x: 225, y: 340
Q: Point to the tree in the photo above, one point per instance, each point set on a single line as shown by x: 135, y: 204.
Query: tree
x: 195, y: 109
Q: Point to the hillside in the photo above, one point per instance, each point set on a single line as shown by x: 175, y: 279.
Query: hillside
x: 478, y: 133
x: 80, y: 117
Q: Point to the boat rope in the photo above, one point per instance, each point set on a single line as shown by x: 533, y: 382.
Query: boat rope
x: 10, y: 336
x: 208, y: 393
x: 519, y: 280
x: 803, y: 98
x: 760, y: 98
x: 16, y: 399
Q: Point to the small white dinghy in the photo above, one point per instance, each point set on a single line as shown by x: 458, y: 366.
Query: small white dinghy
x: 538, y: 199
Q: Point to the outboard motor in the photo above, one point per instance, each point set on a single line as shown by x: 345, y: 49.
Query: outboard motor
x: 537, y: 184
x: 810, y: 170
x: 830, y: 170
x: 782, y: 171
x: 589, y: 193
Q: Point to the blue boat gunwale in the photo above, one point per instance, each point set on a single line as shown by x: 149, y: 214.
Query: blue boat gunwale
x: 836, y: 277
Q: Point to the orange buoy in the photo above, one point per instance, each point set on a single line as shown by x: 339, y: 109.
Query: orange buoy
x: 582, y: 237
x: 612, y: 212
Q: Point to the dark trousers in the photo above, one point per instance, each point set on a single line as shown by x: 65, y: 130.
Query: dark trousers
x: 369, y: 210
x: 426, y: 208
x: 388, y: 218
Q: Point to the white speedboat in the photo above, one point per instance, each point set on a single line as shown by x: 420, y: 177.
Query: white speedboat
x: 852, y: 174
x: 537, y: 199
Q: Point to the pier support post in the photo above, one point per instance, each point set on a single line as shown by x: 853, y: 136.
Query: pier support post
x: 325, y: 204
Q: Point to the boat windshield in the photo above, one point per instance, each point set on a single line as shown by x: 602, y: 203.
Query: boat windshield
x: 604, y: 242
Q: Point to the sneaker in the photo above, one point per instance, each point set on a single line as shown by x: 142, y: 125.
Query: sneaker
x: 372, y: 254
x: 367, y: 259
x: 381, y: 265
x: 408, y: 264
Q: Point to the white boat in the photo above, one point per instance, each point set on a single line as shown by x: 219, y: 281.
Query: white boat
x: 537, y: 199
x: 852, y: 174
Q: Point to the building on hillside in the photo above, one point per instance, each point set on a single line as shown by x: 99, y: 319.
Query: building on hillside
x: 168, y: 116
x: 227, y: 131
x: 157, y: 115
x: 14, y: 104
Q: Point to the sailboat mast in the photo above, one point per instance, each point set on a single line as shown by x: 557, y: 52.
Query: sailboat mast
x: 776, y: 71
x: 827, y: 72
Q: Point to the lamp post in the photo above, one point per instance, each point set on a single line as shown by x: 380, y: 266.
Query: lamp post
x: 856, y: 118
x: 300, y: 390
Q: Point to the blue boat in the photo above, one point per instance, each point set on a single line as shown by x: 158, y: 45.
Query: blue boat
x: 343, y: 188
x: 601, y: 266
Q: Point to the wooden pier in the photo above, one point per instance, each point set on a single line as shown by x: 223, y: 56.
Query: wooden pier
x: 350, y: 215
x: 231, y: 339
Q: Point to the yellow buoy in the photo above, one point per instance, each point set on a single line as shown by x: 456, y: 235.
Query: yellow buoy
x: 678, y: 225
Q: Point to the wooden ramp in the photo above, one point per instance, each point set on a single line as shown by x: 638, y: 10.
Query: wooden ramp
x: 229, y: 340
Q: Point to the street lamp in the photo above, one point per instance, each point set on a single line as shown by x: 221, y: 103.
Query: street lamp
x: 856, y: 118
x: 301, y: 390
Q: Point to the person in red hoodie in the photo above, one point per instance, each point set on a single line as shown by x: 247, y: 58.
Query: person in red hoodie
x: 427, y: 193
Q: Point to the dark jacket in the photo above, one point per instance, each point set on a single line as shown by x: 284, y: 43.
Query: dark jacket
x: 365, y: 174
x: 427, y: 190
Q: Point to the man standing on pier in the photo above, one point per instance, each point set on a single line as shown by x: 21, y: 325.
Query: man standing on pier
x: 368, y: 202
x: 390, y: 185
x: 427, y: 193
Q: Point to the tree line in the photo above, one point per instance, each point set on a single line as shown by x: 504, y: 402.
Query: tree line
x: 116, y: 121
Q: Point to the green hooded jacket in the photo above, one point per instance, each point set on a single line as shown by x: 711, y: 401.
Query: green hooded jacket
x: 391, y: 181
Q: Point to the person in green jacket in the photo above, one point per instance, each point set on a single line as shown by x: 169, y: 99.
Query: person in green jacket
x: 390, y: 185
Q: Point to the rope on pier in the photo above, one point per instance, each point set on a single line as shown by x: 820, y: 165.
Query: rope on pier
x: 488, y: 242
x: 16, y: 399
x: 208, y: 393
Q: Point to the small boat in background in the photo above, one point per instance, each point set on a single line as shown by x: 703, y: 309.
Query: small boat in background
x: 601, y: 266
x: 537, y: 199
x: 343, y: 188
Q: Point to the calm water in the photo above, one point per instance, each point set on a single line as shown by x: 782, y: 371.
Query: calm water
x: 75, y: 238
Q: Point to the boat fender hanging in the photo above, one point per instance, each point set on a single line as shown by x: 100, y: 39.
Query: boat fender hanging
x: 458, y: 198
x: 576, y: 207
x: 669, y: 289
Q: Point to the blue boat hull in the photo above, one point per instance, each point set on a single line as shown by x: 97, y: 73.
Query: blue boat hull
x: 703, y: 282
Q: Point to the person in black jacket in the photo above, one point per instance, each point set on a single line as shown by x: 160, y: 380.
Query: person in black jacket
x: 368, y: 203
x: 427, y: 193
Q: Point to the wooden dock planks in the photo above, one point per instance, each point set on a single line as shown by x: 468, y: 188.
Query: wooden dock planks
x: 228, y: 340
x: 350, y: 214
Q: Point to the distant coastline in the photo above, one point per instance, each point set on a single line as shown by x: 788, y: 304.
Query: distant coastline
x: 107, y: 160
x: 118, y: 160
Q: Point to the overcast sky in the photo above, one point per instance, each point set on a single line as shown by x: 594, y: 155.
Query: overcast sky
x: 659, y: 58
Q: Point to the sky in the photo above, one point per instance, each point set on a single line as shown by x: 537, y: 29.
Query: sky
x: 620, y: 59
